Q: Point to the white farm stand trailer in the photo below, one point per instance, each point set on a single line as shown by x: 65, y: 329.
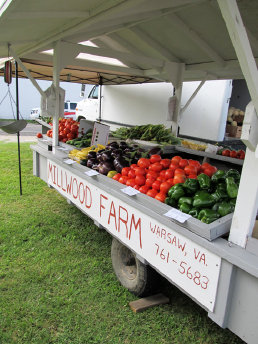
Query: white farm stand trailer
x: 165, y: 40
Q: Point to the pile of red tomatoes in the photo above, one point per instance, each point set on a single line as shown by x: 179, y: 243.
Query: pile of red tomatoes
x: 155, y: 176
x: 67, y: 129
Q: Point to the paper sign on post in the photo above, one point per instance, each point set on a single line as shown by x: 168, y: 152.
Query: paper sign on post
x: 91, y: 173
x: 100, y: 134
x: 130, y: 191
x: 177, y: 215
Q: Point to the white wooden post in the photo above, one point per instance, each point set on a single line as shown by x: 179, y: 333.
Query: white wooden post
x: 56, y: 79
x: 247, y: 200
x: 175, y: 73
x: 240, y: 41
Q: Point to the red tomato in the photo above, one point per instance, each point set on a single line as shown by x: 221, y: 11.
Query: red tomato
x: 169, y: 174
x: 176, y: 159
x: 140, y: 171
x: 170, y: 181
x: 140, y: 180
x: 183, y: 163
x: 133, y: 166
x: 125, y: 171
x: 192, y: 176
x: 173, y: 166
x: 226, y: 152
x: 39, y: 135
x: 241, y: 154
x: 157, y: 167
x: 164, y: 187
x: 117, y: 176
x: 49, y: 132
x: 233, y: 154
x: 60, y: 137
x: 195, y: 163
x: 63, y: 134
x: 162, y: 173
x: 179, y: 171
x: 67, y: 130
x: 150, y: 181
x: 152, y: 174
x: 74, y: 127
x: 155, y: 158
x: 64, y: 140
x: 152, y: 193
x: 137, y: 187
x: 160, y: 197
x: 205, y: 165
x: 161, y: 179
x: 143, y: 162
x: 61, y: 127
x: 210, y: 170
x: 130, y: 182
x: 144, y: 189
x: 68, y: 126
x: 131, y: 173
x: 156, y: 185
x: 70, y: 136
x: 165, y: 163
x: 179, y: 179
x: 190, y: 169
x: 123, y: 179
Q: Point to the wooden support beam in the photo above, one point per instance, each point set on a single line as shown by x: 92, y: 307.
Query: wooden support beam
x: 26, y: 72
x: 195, y: 37
x: 155, y: 45
x: 240, y: 41
x: 47, y: 14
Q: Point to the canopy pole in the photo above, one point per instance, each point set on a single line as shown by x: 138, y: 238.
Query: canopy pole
x: 100, y: 97
x: 18, y: 117
x: 247, y: 200
x: 56, y: 80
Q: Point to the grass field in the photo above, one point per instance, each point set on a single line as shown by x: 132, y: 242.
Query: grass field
x: 56, y: 279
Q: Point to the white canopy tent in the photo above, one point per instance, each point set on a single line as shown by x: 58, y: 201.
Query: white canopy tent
x: 165, y: 40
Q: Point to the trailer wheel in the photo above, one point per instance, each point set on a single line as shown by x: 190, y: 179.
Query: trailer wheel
x: 138, y: 278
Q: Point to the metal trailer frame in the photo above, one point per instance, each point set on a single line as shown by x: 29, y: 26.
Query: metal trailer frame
x: 233, y: 301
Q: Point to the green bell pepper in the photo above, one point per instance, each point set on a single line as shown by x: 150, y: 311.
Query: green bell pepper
x: 184, y: 199
x: 194, y: 212
x: 204, y: 181
x: 176, y: 192
x: 170, y: 201
x: 219, y: 194
x: 218, y: 176
x: 202, y: 199
x: 191, y: 186
x: 208, y: 215
x: 224, y: 208
x: 233, y: 173
x: 232, y: 187
x: 232, y: 201
x: 185, y: 207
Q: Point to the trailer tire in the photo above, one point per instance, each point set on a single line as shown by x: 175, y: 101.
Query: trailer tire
x: 138, y: 278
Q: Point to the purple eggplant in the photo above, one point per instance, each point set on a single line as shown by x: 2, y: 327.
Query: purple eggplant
x: 91, y: 162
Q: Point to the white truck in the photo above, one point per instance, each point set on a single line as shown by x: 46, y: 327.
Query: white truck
x: 124, y: 105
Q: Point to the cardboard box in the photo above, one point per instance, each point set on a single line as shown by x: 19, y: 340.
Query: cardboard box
x: 231, y: 130
x: 239, y: 132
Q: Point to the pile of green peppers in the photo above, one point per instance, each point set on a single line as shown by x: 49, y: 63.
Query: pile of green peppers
x: 205, y: 198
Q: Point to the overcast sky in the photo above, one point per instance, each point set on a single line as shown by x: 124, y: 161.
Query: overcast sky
x: 29, y: 97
